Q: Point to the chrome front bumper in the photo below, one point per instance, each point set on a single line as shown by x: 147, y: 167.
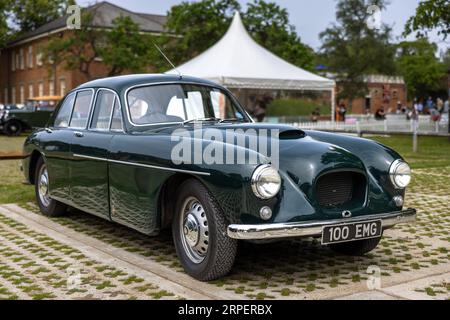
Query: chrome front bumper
x: 311, y: 228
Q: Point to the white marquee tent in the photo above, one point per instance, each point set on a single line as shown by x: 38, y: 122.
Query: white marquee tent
x: 237, y: 61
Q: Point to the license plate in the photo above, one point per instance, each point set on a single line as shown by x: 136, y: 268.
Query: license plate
x: 351, y: 232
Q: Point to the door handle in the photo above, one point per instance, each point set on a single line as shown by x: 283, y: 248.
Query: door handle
x: 78, y: 134
x: 48, y: 130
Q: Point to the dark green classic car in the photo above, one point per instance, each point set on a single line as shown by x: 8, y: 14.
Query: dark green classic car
x: 154, y: 151
x: 34, y: 114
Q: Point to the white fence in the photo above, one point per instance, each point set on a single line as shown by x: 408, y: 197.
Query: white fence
x: 392, y: 124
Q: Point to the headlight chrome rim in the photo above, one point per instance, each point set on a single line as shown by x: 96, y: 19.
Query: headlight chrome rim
x: 394, y: 174
x: 258, y: 174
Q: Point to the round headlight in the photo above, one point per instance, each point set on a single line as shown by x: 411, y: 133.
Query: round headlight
x: 400, y: 174
x: 266, y: 182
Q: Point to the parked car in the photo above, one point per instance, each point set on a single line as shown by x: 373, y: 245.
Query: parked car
x: 35, y: 114
x: 109, y: 150
x: 8, y: 107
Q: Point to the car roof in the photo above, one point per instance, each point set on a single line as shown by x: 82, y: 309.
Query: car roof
x: 121, y: 83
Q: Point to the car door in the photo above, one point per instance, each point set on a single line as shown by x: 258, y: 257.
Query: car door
x: 89, y: 148
x: 56, y: 142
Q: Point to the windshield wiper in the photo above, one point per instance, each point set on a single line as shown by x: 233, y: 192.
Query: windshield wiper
x: 201, y: 119
x: 232, y: 120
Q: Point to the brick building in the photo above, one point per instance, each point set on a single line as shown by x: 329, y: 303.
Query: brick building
x: 23, y: 73
x: 384, y: 91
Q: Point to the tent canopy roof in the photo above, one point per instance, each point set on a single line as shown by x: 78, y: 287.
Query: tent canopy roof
x: 237, y: 61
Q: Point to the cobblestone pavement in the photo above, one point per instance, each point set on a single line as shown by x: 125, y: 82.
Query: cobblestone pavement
x: 40, y: 256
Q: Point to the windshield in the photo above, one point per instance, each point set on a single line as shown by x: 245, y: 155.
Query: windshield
x: 181, y: 103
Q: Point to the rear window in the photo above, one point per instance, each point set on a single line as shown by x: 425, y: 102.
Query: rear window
x: 62, y: 119
x: 102, y: 111
x: 80, y: 114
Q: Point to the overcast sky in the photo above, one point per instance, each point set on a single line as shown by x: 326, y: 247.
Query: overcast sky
x: 310, y: 17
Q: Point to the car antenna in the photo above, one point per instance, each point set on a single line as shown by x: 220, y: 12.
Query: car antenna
x: 168, y: 60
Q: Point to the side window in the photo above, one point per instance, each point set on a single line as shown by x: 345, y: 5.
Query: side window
x: 62, y: 119
x: 176, y: 108
x: 117, y: 124
x: 102, y: 110
x: 80, y: 112
x: 194, y: 105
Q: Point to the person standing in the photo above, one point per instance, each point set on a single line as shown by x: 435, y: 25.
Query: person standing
x: 399, y: 107
x: 429, y: 105
x: 447, y: 105
x: 440, y: 105
x: 420, y: 107
x: 315, y: 115
x: 342, y: 112
x: 380, y: 114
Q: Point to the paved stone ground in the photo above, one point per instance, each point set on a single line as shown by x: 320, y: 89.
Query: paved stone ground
x: 39, y: 257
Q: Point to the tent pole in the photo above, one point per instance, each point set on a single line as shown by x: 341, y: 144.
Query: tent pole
x: 333, y: 105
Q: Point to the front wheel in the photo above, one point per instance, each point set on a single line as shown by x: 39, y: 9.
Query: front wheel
x: 13, y: 128
x: 199, y: 233
x: 47, y: 205
x: 356, y: 248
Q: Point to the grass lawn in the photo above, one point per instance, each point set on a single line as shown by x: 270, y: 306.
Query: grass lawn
x: 11, y: 145
x: 433, y: 152
x: 12, y: 187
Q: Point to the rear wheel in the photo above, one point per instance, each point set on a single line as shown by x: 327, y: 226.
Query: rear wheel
x: 13, y: 128
x: 48, y: 206
x: 356, y: 248
x: 199, y: 233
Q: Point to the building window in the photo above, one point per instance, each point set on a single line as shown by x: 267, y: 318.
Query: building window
x: 22, y: 94
x: 41, y: 89
x: 51, y: 88
x: 5, y: 93
x: 22, y: 59
x: 62, y: 87
x: 30, y: 91
x: 13, y: 95
x: 39, y: 59
x: 13, y: 61
x: 30, y: 57
x: 17, y: 61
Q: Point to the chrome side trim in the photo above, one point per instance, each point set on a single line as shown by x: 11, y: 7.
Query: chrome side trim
x: 140, y: 165
x: 313, y: 228
x: 76, y: 155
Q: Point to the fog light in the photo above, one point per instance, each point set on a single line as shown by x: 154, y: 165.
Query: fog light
x: 265, y: 213
x: 398, y: 200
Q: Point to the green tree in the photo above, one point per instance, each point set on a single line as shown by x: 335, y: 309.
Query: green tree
x: 20, y: 16
x: 446, y: 59
x: 5, y: 31
x: 269, y: 25
x: 125, y: 48
x: 121, y: 48
x: 430, y: 15
x: 29, y: 15
x: 352, y: 49
x: 422, y: 70
x: 78, y: 51
x: 199, y: 25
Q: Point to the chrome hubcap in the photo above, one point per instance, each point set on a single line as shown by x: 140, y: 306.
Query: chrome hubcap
x: 194, y: 230
x: 43, y: 187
